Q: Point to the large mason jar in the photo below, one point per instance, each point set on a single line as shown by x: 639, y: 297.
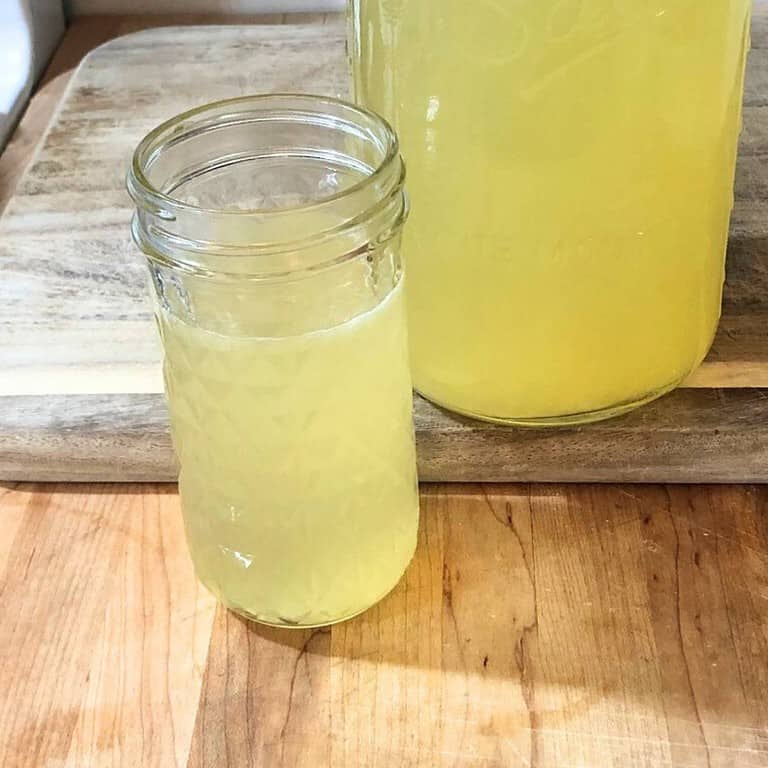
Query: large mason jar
x: 272, y: 228
x: 571, y: 168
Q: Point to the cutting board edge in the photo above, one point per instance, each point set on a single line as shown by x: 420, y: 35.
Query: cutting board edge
x: 126, y: 438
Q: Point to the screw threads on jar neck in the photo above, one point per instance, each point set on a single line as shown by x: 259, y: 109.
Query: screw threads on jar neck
x: 267, y: 186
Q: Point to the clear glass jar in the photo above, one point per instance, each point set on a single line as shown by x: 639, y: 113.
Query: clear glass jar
x: 570, y: 167
x: 272, y: 229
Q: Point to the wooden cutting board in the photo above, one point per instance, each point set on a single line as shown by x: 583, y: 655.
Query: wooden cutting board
x: 80, y: 385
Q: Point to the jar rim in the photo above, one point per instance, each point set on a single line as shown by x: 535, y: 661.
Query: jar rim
x: 146, y: 194
x: 264, y: 242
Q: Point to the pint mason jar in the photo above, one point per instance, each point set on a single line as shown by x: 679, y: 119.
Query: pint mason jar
x: 272, y: 228
x: 571, y: 167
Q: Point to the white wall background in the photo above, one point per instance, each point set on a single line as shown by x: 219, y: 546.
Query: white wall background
x: 31, y: 29
x: 29, y: 33
x: 81, y: 7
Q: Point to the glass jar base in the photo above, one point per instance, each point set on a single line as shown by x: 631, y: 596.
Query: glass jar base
x: 566, y: 420
x: 279, y: 623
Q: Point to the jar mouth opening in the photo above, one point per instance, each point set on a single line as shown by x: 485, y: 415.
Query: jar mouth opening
x: 267, y: 186
x: 309, y: 109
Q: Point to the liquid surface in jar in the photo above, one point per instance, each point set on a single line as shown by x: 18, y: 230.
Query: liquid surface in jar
x: 298, y: 476
x: 570, y: 166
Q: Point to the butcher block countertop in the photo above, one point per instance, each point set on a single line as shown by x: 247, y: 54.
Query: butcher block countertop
x: 546, y: 626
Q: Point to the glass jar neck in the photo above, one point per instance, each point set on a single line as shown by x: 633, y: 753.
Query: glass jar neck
x: 267, y: 186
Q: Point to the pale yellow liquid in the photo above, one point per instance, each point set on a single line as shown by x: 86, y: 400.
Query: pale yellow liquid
x: 298, y: 474
x: 570, y: 165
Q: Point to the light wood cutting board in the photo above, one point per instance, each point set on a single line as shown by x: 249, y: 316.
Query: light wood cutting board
x: 80, y: 385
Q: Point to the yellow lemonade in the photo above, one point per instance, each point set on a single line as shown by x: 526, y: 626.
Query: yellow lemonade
x: 571, y: 169
x: 298, y: 477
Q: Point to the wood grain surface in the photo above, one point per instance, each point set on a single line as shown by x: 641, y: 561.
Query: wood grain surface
x: 85, y: 33
x: 79, y: 361
x: 716, y: 436
x: 537, y: 627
